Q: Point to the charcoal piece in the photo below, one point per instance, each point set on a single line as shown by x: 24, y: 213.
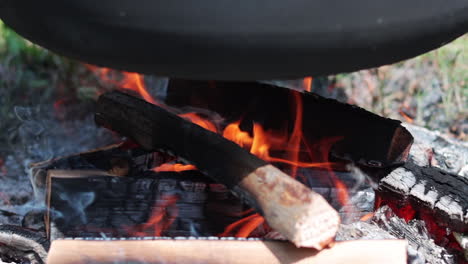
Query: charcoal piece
x: 22, y: 245
x: 429, y: 189
x: 219, y: 191
x: 419, y: 240
x: 431, y: 148
x: 34, y: 220
x: 193, y: 197
x: 192, y: 186
x: 167, y: 185
x: 190, y: 211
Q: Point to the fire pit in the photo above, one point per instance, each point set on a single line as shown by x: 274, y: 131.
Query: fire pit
x: 232, y: 172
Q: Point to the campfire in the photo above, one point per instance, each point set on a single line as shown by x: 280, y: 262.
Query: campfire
x: 187, y: 184
x: 235, y: 171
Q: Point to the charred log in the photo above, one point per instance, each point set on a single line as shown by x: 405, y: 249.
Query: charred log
x: 19, y: 244
x: 289, y: 207
x: 119, y: 160
x: 420, y: 243
x: 90, y: 204
x: 367, y: 138
x: 430, y: 191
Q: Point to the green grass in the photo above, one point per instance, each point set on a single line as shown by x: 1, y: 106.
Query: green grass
x: 452, y: 64
x: 433, y: 87
x: 32, y: 76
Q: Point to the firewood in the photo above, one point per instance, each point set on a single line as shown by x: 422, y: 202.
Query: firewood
x: 288, y: 206
x: 91, y: 203
x: 366, y: 138
x: 223, y: 251
x: 429, y: 189
x: 114, y: 159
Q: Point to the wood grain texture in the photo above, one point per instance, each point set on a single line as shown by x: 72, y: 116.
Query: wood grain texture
x: 226, y: 252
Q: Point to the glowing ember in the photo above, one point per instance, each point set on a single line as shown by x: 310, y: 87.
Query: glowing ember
x: 442, y: 236
x: 3, y: 168
x: 406, y: 116
x: 366, y: 217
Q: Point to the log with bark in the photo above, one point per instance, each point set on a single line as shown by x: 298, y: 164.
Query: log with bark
x: 223, y: 251
x: 288, y: 206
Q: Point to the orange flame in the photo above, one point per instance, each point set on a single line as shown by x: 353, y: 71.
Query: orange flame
x: 261, y: 144
x: 250, y: 226
x: 196, y: 119
x: 245, y: 226
x: 307, y: 84
x: 174, y: 167
x: 324, y: 149
x: 129, y: 80
x: 236, y: 135
x: 135, y: 82
x: 163, y: 215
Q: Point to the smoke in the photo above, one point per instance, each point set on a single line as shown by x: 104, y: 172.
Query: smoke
x: 37, y: 134
x: 76, y: 202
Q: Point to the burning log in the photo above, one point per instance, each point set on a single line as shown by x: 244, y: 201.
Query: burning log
x: 367, y: 139
x: 92, y: 203
x: 19, y: 244
x: 117, y: 160
x: 205, y: 208
x: 223, y: 251
x: 289, y: 207
x: 430, y: 191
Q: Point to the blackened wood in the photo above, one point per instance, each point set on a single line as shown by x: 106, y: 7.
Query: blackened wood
x: 421, y: 249
x: 289, y: 207
x: 23, y: 244
x: 157, y: 129
x: 367, y: 138
x: 117, y: 159
x: 89, y: 204
x: 429, y: 190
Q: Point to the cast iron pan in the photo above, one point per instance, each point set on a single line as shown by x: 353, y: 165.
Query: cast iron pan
x: 238, y: 39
